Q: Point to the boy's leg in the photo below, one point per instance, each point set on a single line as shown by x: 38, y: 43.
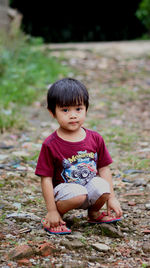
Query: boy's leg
x: 98, y: 194
x: 69, y: 196
x: 93, y: 211
x: 64, y: 206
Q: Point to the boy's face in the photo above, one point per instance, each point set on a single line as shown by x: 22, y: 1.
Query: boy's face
x: 70, y: 118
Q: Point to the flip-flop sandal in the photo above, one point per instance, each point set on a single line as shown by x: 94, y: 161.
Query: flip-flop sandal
x: 64, y: 229
x: 100, y: 221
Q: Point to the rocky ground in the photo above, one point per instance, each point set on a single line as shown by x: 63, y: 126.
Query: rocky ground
x: 119, y: 85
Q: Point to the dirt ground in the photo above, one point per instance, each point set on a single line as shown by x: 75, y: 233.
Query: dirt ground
x: 123, y: 48
x: 117, y: 75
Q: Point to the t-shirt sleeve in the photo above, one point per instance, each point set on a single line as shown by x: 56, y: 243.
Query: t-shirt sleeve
x: 45, y: 166
x: 104, y: 158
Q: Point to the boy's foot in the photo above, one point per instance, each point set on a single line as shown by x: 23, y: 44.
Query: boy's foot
x: 62, y: 229
x: 103, y: 218
x: 59, y: 230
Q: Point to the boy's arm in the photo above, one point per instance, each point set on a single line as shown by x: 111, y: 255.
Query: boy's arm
x: 105, y: 173
x: 112, y: 203
x: 53, y: 217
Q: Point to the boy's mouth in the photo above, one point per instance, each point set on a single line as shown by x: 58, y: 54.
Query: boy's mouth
x: 73, y: 123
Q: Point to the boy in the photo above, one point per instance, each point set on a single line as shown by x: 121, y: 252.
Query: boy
x: 74, y: 161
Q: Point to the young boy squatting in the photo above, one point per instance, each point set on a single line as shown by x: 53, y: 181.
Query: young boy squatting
x: 74, y: 162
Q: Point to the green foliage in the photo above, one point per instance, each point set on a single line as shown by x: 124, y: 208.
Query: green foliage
x: 143, y: 13
x: 144, y: 265
x: 25, y: 71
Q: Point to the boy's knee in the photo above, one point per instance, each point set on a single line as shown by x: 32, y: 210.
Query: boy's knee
x: 105, y: 196
x: 97, y: 188
x: 81, y: 199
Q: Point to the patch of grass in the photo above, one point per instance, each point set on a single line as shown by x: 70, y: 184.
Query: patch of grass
x: 122, y: 94
x: 93, y: 123
x: 83, y: 240
x: 10, y: 117
x: 33, y: 157
x: 24, y: 74
x: 39, y: 200
x: 135, y: 162
x: 88, y: 230
x: 144, y: 265
x: 143, y: 164
x: 120, y: 136
x: 2, y: 218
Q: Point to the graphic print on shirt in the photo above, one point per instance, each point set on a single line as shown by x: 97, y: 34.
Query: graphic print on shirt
x: 80, y: 168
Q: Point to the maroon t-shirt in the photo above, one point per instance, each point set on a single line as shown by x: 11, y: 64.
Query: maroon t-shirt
x: 77, y: 162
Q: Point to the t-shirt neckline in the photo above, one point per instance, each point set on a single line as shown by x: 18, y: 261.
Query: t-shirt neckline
x: 70, y: 142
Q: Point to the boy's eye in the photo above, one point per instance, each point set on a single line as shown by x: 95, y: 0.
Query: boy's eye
x: 65, y: 110
x: 78, y: 109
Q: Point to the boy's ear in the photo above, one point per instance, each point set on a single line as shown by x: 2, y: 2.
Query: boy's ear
x: 51, y: 114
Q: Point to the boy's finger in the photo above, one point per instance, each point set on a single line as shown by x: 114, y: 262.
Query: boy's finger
x: 119, y: 213
x: 62, y: 222
x: 108, y: 212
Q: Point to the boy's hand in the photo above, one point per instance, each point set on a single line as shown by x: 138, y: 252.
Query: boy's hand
x: 53, y: 219
x: 113, y: 204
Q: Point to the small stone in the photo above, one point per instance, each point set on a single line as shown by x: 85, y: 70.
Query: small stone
x: 135, y: 222
x: 118, y: 254
x: 125, y: 229
x: 25, y: 230
x: 24, y: 262
x: 131, y: 203
x: 3, y: 156
x: 74, y: 244
x: 147, y: 206
x: 17, y: 205
x: 4, y: 146
x: 45, y: 133
x: 77, y: 235
x: 146, y: 231
x: 146, y: 247
x: 94, y: 258
x: 133, y: 194
x: 140, y: 182
x: 24, y: 217
x: 20, y: 252
x: 126, y: 180
x: 132, y: 171
x: 20, y: 154
x: 74, y: 235
x: 44, y: 249
x: 110, y: 231
x: 45, y: 124
x: 2, y: 236
x: 101, y: 247
x: 9, y: 236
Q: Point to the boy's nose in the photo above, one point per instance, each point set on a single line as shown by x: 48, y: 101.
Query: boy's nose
x: 73, y: 114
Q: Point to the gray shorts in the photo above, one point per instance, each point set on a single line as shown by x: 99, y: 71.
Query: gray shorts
x: 93, y: 189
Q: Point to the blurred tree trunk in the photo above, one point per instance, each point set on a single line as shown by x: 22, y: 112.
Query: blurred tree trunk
x: 10, y: 19
x: 4, y: 19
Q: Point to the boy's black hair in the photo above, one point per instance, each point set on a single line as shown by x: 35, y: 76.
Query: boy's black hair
x: 67, y: 92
